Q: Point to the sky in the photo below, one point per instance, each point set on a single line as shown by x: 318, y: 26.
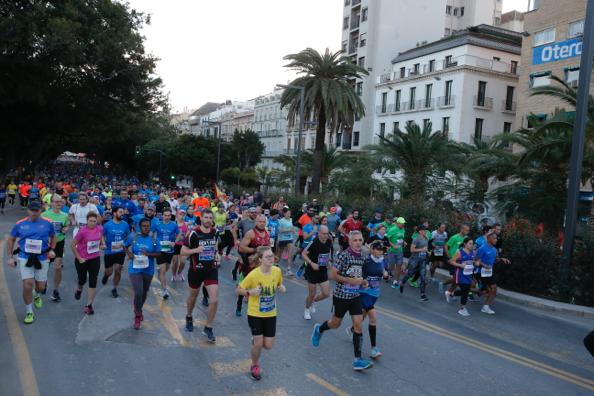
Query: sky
x: 215, y: 50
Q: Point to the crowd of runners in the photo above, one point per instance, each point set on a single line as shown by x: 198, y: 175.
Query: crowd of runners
x: 183, y: 235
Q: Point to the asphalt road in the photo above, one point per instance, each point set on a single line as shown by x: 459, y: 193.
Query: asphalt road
x: 428, y: 348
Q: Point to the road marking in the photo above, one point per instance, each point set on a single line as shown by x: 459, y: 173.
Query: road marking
x: 168, y: 322
x: 326, y: 384
x: 544, y: 368
x: 227, y: 369
x: 270, y: 392
x: 21, y: 352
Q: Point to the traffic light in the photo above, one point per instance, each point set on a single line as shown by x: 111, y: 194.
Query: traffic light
x: 172, y: 177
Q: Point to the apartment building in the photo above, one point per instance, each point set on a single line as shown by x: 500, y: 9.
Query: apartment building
x: 374, y: 31
x: 464, y: 85
x: 551, y: 46
x: 224, y: 117
x: 270, y: 123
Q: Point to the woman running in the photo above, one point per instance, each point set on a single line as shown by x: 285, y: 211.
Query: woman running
x: 463, y: 260
x: 286, y: 234
x: 87, y: 246
x: 177, y: 267
x: 261, y: 286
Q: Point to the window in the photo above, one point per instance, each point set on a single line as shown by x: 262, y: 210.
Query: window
x: 432, y: 65
x: 360, y: 88
x: 364, y: 15
x: 395, y: 126
x: 540, y: 79
x: 361, y: 61
x: 448, y: 61
x: 402, y: 72
x: 345, y: 23
x: 513, y: 69
x: 363, y: 42
x: 410, y: 123
x: 536, y: 119
x: 338, y: 139
x: 449, y: 10
x: 448, y: 92
x: 447, y: 31
x: 480, y: 95
x: 416, y: 68
x: 496, y: 58
x: 461, y: 11
x: 382, y: 131
x: 478, y: 129
x: 544, y: 37
x: 413, y: 92
x: 347, y: 2
x: 428, y: 89
x: 497, y: 21
x: 397, y: 98
x: 426, y: 122
x: 384, y: 101
x: 576, y: 28
x: 445, y: 126
x: 509, y: 98
x: 455, y: 11
x: 344, y: 46
x: 355, y: 138
x: 507, y: 126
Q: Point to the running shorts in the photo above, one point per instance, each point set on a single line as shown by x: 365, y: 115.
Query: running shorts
x: 262, y: 326
x: 165, y: 258
x: 316, y: 277
x: 368, y: 301
x: 177, y: 249
x: 343, y: 305
x: 40, y: 275
x: 59, y: 250
x: 202, y: 275
x: 110, y: 259
x: 488, y: 281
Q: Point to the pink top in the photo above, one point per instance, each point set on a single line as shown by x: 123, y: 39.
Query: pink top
x: 183, y: 229
x: 88, y: 241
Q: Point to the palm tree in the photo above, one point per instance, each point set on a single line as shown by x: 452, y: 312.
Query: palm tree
x: 331, y: 159
x: 330, y: 97
x: 418, y: 153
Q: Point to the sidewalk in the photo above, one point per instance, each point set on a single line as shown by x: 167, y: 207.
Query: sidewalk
x: 536, y: 302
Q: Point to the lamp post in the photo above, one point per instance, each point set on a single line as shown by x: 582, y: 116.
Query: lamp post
x: 301, y: 109
x: 220, y: 126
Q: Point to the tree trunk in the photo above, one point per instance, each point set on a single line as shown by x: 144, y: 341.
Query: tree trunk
x: 318, y: 158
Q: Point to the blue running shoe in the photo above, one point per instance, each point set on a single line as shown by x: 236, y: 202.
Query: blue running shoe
x: 238, y: 312
x: 300, y: 271
x: 207, y: 331
x: 361, y: 364
x: 189, y: 324
x: 316, y: 335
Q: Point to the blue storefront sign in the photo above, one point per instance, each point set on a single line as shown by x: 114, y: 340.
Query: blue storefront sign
x: 554, y: 52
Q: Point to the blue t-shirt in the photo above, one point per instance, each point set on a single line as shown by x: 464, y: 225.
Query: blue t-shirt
x: 464, y: 275
x: 136, y: 221
x: 479, y: 242
x: 2, y: 193
x: 34, y: 193
x: 73, y: 197
x: 273, y: 227
x: 373, y: 272
x: 101, y: 209
x: 115, y: 235
x: 65, y: 208
x: 191, y: 220
x: 309, y: 227
x: 487, y: 254
x: 285, y: 229
x: 333, y: 222
x: 166, y: 235
x: 137, y: 245
x: 33, y: 237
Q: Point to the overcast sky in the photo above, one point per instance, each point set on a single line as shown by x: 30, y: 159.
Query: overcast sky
x: 232, y: 49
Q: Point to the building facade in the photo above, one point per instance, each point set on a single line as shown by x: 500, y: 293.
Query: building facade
x: 374, y: 31
x: 551, y: 47
x: 464, y: 85
x: 270, y: 123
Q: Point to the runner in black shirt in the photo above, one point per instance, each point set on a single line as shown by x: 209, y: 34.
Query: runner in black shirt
x: 317, y: 256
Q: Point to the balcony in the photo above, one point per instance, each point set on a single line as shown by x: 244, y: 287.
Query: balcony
x: 426, y: 104
x: 446, y: 64
x: 508, y: 107
x: 355, y: 21
x: 384, y: 78
x: 445, y: 102
x: 483, y: 103
x: 387, y: 109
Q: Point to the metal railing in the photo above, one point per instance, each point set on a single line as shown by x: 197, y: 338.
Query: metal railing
x: 446, y: 101
x: 355, y: 21
x: 508, y: 106
x: 482, y: 102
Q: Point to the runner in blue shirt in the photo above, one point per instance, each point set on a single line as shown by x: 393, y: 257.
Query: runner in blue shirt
x: 115, y: 232
x: 167, y: 233
x: 464, y: 262
x: 487, y: 255
x: 149, y: 214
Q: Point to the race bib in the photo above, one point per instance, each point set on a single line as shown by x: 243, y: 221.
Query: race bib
x: 348, y: 288
x: 93, y: 246
x: 323, y: 259
x: 399, y: 242
x: 117, y: 246
x: 487, y: 272
x: 33, y: 246
x: 58, y: 227
x: 468, y: 269
x: 373, y: 281
x: 166, y: 246
x: 140, y: 261
x: 438, y: 251
x: 208, y: 254
x: 422, y: 254
x: 267, y: 303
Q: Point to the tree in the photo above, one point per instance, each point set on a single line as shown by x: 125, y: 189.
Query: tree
x: 330, y: 98
x: 331, y: 159
x: 355, y: 178
x: 247, y: 147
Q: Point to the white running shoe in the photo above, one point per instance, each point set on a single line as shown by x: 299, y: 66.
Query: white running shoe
x: 486, y: 309
x: 464, y: 312
x: 307, y: 314
x: 448, y: 296
x: 181, y: 277
x: 312, y: 309
x: 173, y: 279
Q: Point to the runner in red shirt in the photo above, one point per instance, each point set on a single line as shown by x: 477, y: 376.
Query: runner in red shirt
x: 353, y: 223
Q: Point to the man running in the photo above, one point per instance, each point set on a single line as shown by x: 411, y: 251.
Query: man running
x: 115, y: 233
x: 353, y: 223
x: 317, y: 256
x: 36, y: 240
x: 59, y: 220
x: 487, y: 254
x: 348, y: 274
x: 79, y: 211
x: 417, y: 261
x: 396, y: 252
x: 201, y: 246
x: 167, y: 233
x: 438, y: 256
x: 453, y: 245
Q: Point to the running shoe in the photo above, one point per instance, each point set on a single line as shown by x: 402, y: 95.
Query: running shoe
x: 89, y: 310
x: 349, y: 331
x: 38, y: 302
x: 463, y: 312
x: 440, y: 287
x: 401, y: 288
x: 289, y: 273
x: 316, y: 335
x: 29, y: 318
x: 424, y: 298
x: 361, y: 364
x: 189, y: 324
x: 173, y: 278
x: 77, y: 294
x: 104, y: 280
x: 395, y: 285
x: 413, y: 283
x: 448, y: 296
x: 307, y: 314
x: 114, y: 293
x: 472, y: 297
x: 165, y: 294
x: 205, y: 301
x: 255, y: 372
x: 141, y: 316
x: 375, y: 353
x: 312, y: 309
x: 207, y: 331
x: 182, y: 277
x: 56, y: 296
x: 137, y: 321
x: 238, y: 312
x: 486, y: 309
x: 300, y: 271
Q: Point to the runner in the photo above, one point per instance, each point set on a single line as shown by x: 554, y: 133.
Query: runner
x: 464, y: 261
x: 11, y: 191
x: 453, y: 245
x: 24, y: 188
x: 201, y: 246
x: 149, y: 214
x: 167, y: 233
x: 348, y: 274
x: 115, y: 233
x: 59, y: 220
x: 36, y: 242
x: 317, y: 256
x: 179, y: 262
x: 87, y: 246
x: 396, y: 252
x: 78, y: 212
x: 438, y: 256
x: 286, y: 235
x: 417, y: 264
x: 260, y: 287
x: 2, y: 197
x: 487, y: 255
x: 141, y: 251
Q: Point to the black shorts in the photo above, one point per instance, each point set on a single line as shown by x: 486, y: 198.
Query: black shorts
x: 316, y: 277
x: 177, y: 249
x: 59, y: 250
x: 343, y: 305
x: 202, y: 275
x: 110, y: 259
x: 437, y: 258
x: 165, y: 258
x: 488, y: 281
x: 262, y: 326
x: 283, y: 244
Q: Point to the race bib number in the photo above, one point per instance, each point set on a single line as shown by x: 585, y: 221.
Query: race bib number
x: 468, y: 269
x: 221, y: 230
x: 373, y: 281
x: 323, y: 259
x: 399, y: 242
x: 422, y: 254
x: 58, y: 227
x: 348, y: 288
x: 117, y: 246
x: 487, y: 272
x: 33, y: 246
x: 267, y: 303
x: 166, y: 246
x: 438, y: 251
x: 140, y: 261
x: 93, y: 246
x: 208, y: 254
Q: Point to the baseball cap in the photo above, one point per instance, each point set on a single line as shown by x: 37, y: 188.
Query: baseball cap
x: 377, y: 245
x: 34, y: 205
x: 253, y: 209
x: 333, y: 209
x: 400, y: 220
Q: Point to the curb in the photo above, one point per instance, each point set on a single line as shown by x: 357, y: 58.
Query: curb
x: 536, y: 302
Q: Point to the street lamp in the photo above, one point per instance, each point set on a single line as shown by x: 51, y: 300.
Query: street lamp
x: 301, y: 109
x: 208, y: 122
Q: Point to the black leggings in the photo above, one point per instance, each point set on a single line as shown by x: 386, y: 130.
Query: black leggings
x: 11, y: 199
x: 141, y: 282
x: 92, y: 267
x: 24, y: 201
x: 226, y: 241
x: 463, y: 292
x: 2, y: 203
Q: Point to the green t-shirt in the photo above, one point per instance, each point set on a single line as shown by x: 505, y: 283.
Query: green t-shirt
x: 454, y: 244
x: 388, y: 226
x: 396, y: 236
x: 58, y: 220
